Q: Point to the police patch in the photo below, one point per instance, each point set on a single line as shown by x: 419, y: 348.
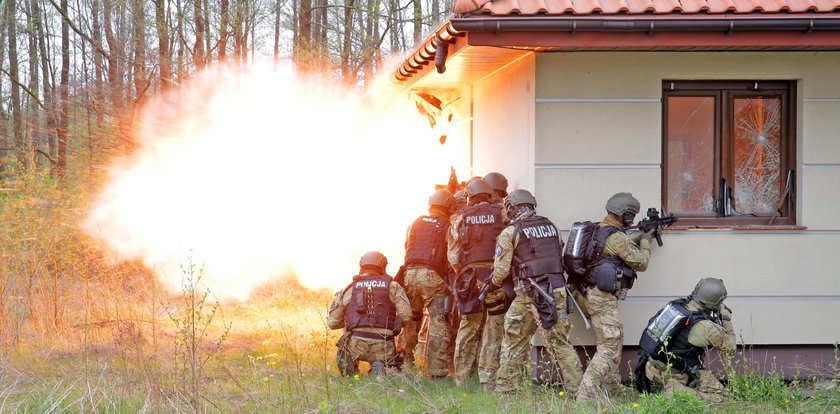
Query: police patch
x: 498, y: 250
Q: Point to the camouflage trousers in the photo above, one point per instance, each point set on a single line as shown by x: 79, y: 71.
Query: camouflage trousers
x: 520, y: 325
x: 352, y: 349
x: 602, y: 371
x: 425, y: 289
x: 705, y: 385
x: 486, y: 330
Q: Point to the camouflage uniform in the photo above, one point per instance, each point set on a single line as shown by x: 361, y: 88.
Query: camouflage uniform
x: 353, y: 348
x: 704, y: 334
x: 425, y: 288
x: 476, y: 327
x: 602, y: 309
x: 520, y: 324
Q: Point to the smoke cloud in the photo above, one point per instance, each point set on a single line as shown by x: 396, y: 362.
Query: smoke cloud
x: 259, y: 172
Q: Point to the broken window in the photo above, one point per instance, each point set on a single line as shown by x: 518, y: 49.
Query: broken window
x: 729, y: 152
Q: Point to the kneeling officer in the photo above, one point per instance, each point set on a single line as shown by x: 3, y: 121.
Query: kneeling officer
x: 676, y: 338
x: 372, y: 311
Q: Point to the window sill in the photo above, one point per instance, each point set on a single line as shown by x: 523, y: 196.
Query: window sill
x: 758, y: 227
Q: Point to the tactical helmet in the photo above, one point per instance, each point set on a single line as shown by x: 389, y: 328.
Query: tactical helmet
x: 709, y: 293
x: 497, y: 182
x: 477, y: 187
x: 441, y: 198
x: 517, y: 197
x: 373, y: 259
x: 621, y: 203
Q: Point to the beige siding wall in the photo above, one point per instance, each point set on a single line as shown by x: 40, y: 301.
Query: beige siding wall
x: 598, y: 131
x: 503, y: 123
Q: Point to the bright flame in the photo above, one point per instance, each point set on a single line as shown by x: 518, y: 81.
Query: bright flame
x: 259, y: 172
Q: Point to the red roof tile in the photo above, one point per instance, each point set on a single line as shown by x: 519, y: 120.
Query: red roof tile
x: 556, y: 7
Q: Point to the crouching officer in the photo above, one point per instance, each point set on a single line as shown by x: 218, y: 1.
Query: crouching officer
x: 676, y: 339
x: 606, y: 282
x: 371, y: 310
x: 426, y: 271
x: 530, y: 248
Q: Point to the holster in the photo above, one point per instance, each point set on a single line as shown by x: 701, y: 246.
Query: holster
x: 466, y: 288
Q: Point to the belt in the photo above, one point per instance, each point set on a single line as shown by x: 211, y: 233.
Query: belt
x: 371, y: 335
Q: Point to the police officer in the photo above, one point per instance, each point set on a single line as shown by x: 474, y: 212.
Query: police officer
x: 472, y: 241
x: 371, y: 309
x: 499, y: 184
x: 607, y: 280
x: 678, y: 363
x: 425, y: 281
x: 530, y: 248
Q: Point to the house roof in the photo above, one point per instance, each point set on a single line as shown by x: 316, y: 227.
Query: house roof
x: 608, y: 7
x: 565, y: 25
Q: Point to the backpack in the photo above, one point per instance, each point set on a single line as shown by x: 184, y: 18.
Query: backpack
x: 583, y: 248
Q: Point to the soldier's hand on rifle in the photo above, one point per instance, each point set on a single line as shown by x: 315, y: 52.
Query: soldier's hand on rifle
x: 648, y: 235
x: 487, y: 288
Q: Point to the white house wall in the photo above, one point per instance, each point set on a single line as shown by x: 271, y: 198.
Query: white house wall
x: 503, y: 123
x: 598, y: 131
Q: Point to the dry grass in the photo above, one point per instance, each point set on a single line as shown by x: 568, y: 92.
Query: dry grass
x: 78, y: 334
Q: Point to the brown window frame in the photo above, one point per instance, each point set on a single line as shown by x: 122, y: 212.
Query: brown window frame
x: 724, y: 92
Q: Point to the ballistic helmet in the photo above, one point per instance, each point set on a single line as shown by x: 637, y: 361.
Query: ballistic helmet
x: 373, y: 259
x: 497, y: 182
x: 709, y: 293
x: 442, y: 198
x: 621, y: 203
x: 518, y: 197
x: 477, y: 187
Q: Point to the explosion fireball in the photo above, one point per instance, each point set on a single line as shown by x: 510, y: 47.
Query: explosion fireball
x: 258, y: 172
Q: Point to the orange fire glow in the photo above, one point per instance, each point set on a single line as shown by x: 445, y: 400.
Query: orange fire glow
x: 259, y: 172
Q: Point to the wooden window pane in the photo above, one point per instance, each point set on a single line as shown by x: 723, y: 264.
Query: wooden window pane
x: 691, y: 154
x: 757, y: 122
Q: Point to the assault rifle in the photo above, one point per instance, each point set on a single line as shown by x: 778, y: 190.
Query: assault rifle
x: 655, y: 223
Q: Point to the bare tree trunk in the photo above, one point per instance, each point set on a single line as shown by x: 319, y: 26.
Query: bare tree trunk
x: 139, y: 23
x: 346, y: 43
x: 49, y: 87
x: 115, y: 77
x: 182, y: 42
x: 34, y: 122
x: 277, y: 29
x: 3, y: 120
x: 418, y: 21
x: 435, y: 12
x: 11, y: 32
x: 198, y: 48
x: 304, y: 44
x: 223, y: 29
x: 164, y: 53
x: 207, y: 46
x: 64, y: 102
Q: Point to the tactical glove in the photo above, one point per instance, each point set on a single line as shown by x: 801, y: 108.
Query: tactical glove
x: 646, y: 236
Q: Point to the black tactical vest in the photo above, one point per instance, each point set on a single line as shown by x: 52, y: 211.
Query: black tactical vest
x: 426, y: 244
x: 370, y: 304
x: 607, y: 264
x: 480, y: 225
x: 539, y: 251
x: 681, y: 354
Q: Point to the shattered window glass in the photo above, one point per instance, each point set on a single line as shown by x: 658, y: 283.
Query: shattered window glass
x: 691, y: 145
x: 757, y: 155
